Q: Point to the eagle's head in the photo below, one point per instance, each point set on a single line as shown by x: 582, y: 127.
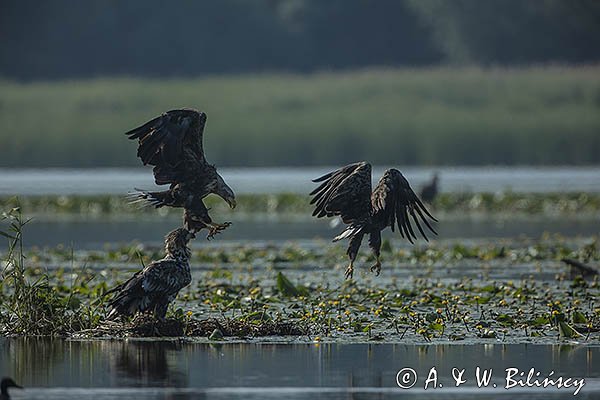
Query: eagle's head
x: 8, y: 382
x: 176, y: 242
x: 224, y: 191
x: 201, y: 118
x: 187, y: 117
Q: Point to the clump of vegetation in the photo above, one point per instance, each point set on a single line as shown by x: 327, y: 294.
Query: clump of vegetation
x: 524, y: 204
x: 519, y: 203
x: 509, y: 290
x: 103, y: 205
x: 31, y: 304
x: 36, y: 301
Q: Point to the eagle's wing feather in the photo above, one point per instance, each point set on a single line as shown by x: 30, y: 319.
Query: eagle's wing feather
x: 163, y: 277
x: 172, y: 143
x: 345, y: 192
x: 157, y: 280
x: 394, y: 202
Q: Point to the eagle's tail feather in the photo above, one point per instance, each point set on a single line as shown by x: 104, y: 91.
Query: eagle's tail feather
x: 124, y: 305
x: 350, y: 231
x: 145, y: 198
x: 129, y: 299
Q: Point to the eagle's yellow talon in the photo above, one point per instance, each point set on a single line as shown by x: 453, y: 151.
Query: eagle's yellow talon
x: 349, y: 271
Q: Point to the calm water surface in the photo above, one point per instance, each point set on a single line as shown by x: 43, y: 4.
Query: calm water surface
x: 57, y: 369
x: 297, y: 180
x: 96, y: 233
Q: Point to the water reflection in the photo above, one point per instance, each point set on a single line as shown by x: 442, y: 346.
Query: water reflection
x: 110, y: 369
x: 149, y: 363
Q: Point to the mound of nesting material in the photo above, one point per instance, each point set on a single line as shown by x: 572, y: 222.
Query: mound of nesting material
x: 146, y: 326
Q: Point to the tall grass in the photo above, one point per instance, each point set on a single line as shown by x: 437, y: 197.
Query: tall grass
x: 537, y: 115
x: 30, y: 305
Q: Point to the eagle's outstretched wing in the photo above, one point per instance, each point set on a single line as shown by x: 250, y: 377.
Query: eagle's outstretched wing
x: 345, y: 192
x: 393, y: 200
x: 172, y: 143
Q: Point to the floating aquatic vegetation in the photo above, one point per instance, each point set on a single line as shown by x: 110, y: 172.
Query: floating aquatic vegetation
x: 503, y: 203
x: 501, y: 290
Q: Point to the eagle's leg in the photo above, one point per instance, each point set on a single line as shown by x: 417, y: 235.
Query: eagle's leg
x: 376, y: 267
x: 349, y: 270
x: 198, y: 220
x: 155, y: 329
x: 352, y: 252
x: 160, y: 312
x: 375, y: 245
x: 214, y: 229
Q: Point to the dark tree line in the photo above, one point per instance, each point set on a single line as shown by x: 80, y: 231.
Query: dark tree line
x: 514, y: 31
x: 157, y: 38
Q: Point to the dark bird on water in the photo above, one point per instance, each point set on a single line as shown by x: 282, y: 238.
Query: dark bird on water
x: 172, y: 143
x: 430, y: 190
x: 157, y: 285
x: 4, y: 385
x: 346, y: 193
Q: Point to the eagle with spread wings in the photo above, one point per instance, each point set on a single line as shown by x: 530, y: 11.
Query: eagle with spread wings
x: 172, y: 143
x: 346, y: 192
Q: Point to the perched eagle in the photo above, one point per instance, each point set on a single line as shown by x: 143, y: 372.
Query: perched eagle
x: 157, y: 285
x: 346, y: 193
x: 172, y: 143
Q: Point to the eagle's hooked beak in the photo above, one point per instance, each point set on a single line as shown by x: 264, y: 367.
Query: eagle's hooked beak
x: 225, y: 192
x: 231, y: 201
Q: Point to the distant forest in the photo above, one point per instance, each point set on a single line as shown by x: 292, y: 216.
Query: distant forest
x: 64, y: 39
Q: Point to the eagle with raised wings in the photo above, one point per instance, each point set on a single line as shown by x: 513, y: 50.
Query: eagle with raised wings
x: 346, y: 192
x: 157, y: 285
x: 172, y: 143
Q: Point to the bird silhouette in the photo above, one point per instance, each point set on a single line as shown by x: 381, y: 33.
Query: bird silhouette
x: 4, y: 385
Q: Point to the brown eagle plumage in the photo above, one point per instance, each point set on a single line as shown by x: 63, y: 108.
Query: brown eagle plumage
x: 157, y: 285
x: 346, y: 192
x: 172, y: 143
